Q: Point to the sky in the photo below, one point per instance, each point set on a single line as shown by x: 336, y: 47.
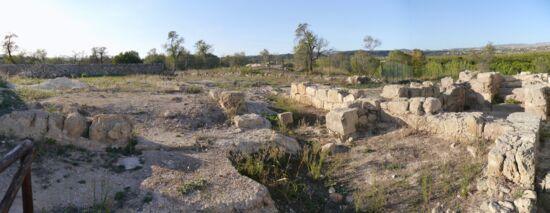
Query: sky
x: 66, y: 26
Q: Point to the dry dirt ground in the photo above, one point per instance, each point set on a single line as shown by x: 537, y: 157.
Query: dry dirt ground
x: 184, y: 139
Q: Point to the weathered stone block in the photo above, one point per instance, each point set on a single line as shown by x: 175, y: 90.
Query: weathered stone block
x: 285, y: 118
x: 431, y: 105
x: 394, y: 91
x: 251, y: 121
x: 342, y: 120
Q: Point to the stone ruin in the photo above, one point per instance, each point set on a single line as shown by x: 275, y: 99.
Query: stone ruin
x: 68, y: 128
x: 459, y: 109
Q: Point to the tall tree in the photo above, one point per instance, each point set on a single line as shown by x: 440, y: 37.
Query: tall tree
x: 202, y: 48
x: 174, y: 48
x: 9, y: 46
x: 309, y: 47
x: 202, y: 52
x: 39, y: 57
x: 265, y: 56
x: 417, y: 61
x: 98, y: 54
x: 486, y: 57
x: 371, y: 43
x: 399, y: 57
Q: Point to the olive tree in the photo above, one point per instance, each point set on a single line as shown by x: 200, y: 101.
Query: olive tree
x: 309, y: 46
x: 9, y: 46
x: 174, y: 48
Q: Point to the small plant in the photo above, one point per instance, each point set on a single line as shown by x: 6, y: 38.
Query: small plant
x: 426, y: 183
x: 468, y: 173
x: 192, y: 186
x: 29, y: 94
x: 512, y: 101
x: 313, y: 157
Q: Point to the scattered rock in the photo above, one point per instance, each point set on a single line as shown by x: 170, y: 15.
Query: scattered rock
x: 251, y: 121
x: 129, y: 163
x: 233, y: 102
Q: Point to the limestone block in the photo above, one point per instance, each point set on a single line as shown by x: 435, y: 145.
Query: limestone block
x: 251, y: 121
x: 431, y: 105
x: 416, y: 105
x: 394, y: 91
x: 342, y: 120
x: 285, y: 118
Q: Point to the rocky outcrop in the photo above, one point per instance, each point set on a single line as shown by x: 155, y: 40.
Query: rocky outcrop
x: 357, y: 79
x: 75, y: 125
x: 285, y: 118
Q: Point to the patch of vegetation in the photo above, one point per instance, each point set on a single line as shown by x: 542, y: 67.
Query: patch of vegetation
x: 295, y: 181
x: 468, y: 172
x: 369, y: 199
x: 191, y: 186
x: 25, y: 81
x: 29, y: 94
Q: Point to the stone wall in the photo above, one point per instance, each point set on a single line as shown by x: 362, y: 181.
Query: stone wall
x: 72, y: 70
x: 323, y: 97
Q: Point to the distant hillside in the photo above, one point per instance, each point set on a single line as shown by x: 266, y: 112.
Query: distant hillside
x: 500, y: 48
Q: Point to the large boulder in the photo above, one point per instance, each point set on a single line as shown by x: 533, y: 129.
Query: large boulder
x: 394, y: 91
x: 342, y: 120
x: 75, y: 125
x: 113, y: 129
x: 251, y: 121
x: 233, y: 102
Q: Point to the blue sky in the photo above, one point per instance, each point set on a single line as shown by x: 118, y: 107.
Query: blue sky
x: 64, y: 26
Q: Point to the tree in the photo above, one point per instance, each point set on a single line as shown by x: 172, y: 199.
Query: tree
x: 309, y: 47
x: 417, y: 61
x: 10, y: 47
x: 39, y: 57
x: 174, y: 48
x: 129, y: 57
x: 235, y: 60
x: 542, y: 65
x: 202, y: 48
x: 486, y: 57
x: 203, y: 51
x: 364, y: 64
x: 98, y: 54
x: 154, y: 58
x: 264, y: 54
x: 371, y: 43
x: 399, y: 56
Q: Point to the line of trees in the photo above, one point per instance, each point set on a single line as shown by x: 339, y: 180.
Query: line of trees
x: 310, y: 54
